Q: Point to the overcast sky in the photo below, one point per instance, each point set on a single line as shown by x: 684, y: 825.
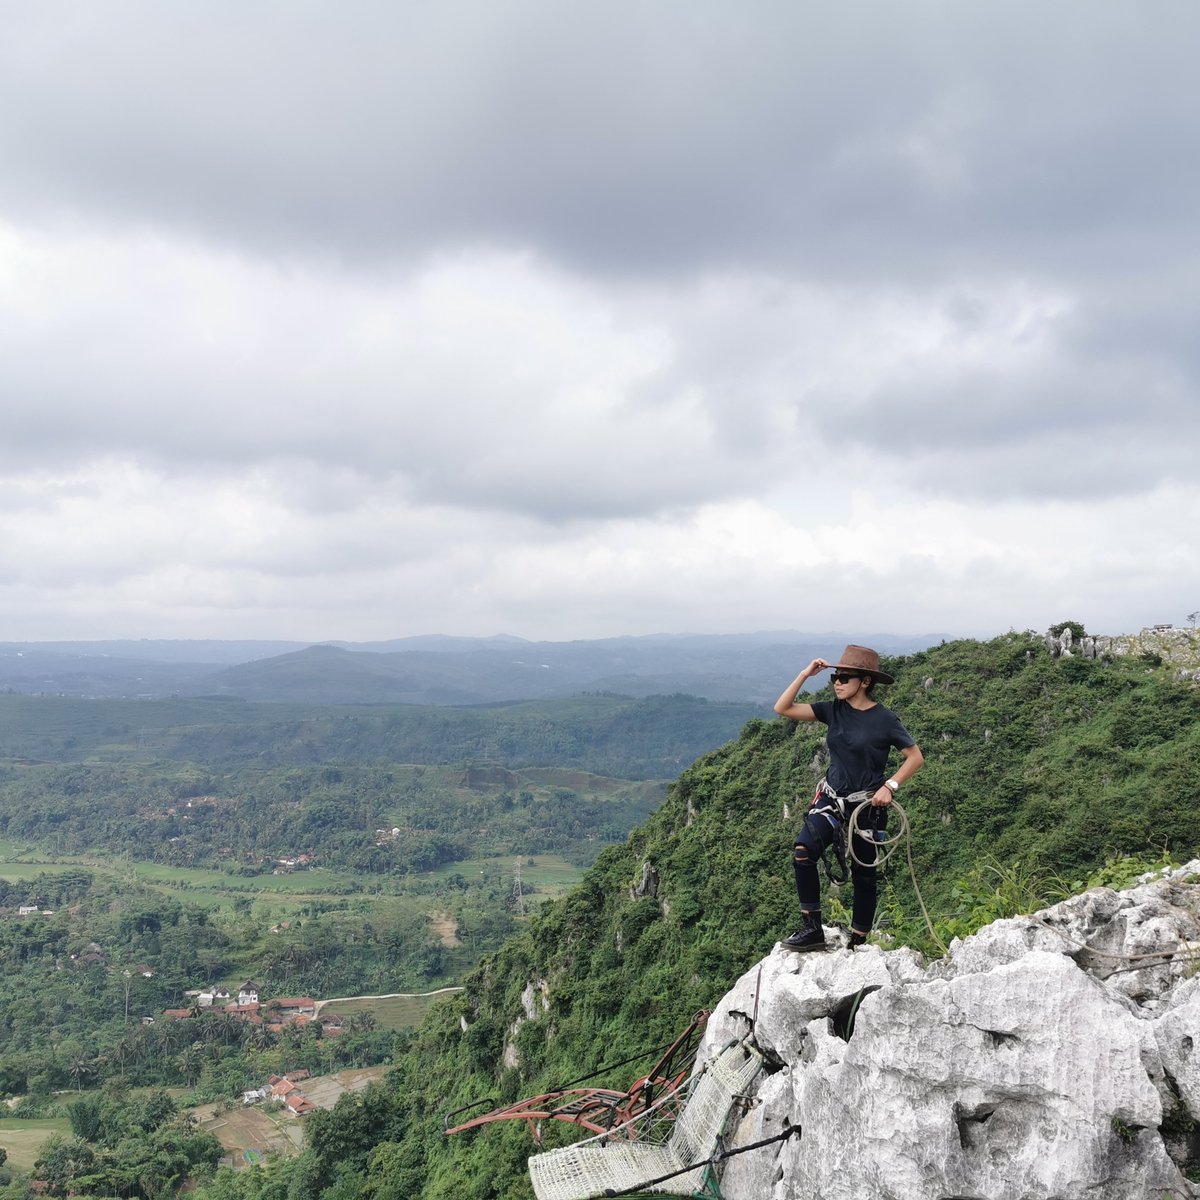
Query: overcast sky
x: 568, y: 319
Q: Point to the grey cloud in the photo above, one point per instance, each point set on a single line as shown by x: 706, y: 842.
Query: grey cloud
x: 980, y: 445
x: 645, y: 138
x: 277, y: 246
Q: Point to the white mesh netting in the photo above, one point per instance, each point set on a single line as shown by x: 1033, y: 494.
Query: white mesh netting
x: 627, y: 1156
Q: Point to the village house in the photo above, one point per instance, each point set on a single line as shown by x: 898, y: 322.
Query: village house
x: 290, y: 864
x: 248, y: 993
x: 294, y: 1006
x: 277, y: 1023
x: 283, y: 1090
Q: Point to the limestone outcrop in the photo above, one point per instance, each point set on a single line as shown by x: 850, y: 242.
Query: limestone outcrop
x: 1179, y: 648
x: 1050, y: 1057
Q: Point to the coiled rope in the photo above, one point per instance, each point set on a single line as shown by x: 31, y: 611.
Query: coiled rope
x: 885, y: 847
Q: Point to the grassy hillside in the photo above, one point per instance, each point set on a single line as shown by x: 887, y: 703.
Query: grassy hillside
x: 1040, y: 772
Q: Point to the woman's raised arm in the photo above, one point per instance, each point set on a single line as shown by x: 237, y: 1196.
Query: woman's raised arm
x: 786, y: 705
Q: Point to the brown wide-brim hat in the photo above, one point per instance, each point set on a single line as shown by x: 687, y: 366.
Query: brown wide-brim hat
x: 862, y: 658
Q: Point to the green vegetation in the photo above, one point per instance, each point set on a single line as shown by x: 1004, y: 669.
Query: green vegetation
x: 126, y: 1147
x: 653, y: 738
x: 391, y: 1012
x: 158, y: 849
x: 1043, y: 775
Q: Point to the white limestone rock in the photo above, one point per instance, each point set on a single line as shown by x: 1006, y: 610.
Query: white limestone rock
x: 1036, y: 1062
x: 1177, y: 1032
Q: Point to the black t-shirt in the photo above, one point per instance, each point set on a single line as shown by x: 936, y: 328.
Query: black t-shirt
x: 859, y: 742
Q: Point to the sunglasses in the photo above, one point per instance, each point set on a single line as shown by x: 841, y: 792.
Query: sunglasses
x: 845, y: 677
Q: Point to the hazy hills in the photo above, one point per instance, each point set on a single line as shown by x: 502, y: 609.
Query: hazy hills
x: 427, y: 670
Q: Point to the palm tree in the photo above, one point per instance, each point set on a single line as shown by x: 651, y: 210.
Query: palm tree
x: 190, y: 1061
x: 78, y: 1069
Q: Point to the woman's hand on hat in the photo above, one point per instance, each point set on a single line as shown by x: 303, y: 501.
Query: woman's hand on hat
x: 816, y: 667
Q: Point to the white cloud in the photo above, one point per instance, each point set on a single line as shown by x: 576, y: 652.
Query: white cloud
x: 478, y: 318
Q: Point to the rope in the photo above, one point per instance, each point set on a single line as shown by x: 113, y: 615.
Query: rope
x: 889, y: 845
x: 713, y: 1160
x: 884, y: 849
x: 643, y: 1118
x: 612, y: 1067
x: 904, y: 833
x: 1187, y: 947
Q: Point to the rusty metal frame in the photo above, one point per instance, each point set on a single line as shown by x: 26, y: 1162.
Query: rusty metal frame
x: 597, y: 1109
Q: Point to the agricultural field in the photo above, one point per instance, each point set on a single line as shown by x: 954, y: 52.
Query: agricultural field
x: 247, y: 1133
x: 390, y: 1012
x: 550, y: 875
x: 24, y: 1139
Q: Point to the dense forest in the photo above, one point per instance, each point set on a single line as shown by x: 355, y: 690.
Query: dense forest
x: 652, y: 738
x: 1043, y: 775
x: 373, y: 847
x: 144, y: 844
x: 84, y: 981
x: 246, y: 820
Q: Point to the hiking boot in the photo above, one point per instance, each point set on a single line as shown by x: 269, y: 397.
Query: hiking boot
x: 810, y: 936
x: 856, y: 940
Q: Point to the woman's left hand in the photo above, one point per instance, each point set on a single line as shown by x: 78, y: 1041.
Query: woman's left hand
x: 882, y: 798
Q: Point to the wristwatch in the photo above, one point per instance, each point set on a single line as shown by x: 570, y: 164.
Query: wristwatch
x: 892, y: 784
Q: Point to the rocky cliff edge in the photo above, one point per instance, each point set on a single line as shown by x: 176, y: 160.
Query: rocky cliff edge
x: 1048, y: 1057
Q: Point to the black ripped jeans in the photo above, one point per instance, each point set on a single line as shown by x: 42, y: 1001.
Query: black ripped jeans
x: 822, y: 827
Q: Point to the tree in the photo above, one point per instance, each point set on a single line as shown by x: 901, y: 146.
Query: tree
x: 80, y: 1068
x: 86, y: 1116
x: 1076, y: 628
x: 60, y: 1161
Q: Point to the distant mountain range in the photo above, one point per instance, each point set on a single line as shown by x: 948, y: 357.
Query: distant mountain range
x: 428, y: 670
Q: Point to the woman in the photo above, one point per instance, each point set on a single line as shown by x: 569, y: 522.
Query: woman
x: 861, y: 735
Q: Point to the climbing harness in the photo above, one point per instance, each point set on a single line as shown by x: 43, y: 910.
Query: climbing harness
x: 826, y: 817
x: 842, y: 815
